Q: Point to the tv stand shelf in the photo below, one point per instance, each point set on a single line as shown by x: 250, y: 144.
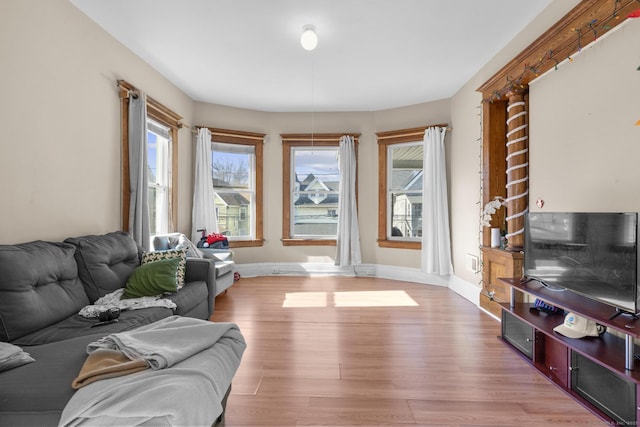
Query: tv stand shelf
x: 583, y: 306
x: 608, y: 349
x: 596, y: 371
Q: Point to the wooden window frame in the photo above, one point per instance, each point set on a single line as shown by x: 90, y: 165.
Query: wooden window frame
x: 255, y: 140
x: 385, y: 140
x: 304, y: 140
x: 165, y: 116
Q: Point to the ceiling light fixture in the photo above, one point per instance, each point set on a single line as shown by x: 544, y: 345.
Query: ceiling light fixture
x: 309, y: 38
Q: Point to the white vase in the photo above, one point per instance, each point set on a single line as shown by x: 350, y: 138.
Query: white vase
x: 495, y: 237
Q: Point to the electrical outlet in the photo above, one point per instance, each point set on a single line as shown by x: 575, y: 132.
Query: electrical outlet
x: 472, y: 263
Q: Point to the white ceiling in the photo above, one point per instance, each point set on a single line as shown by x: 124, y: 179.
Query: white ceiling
x: 371, y: 55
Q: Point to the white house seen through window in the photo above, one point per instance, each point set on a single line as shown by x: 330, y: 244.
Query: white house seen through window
x: 404, y: 191
x: 314, y: 193
x: 400, y: 197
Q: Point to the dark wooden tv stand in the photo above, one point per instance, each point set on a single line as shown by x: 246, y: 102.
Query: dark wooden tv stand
x: 584, y: 368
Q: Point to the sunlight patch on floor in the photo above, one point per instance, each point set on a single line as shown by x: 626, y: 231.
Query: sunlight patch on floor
x: 349, y: 299
x: 305, y: 299
x: 373, y: 299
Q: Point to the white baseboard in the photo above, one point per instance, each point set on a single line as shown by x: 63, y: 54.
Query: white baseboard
x: 302, y: 269
x: 465, y: 289
x: 409, y: 275
x: 461, y: 287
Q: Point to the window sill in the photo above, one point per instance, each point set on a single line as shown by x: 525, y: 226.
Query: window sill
x: 246, y: 243
x: 308, y: 242
x: 399, y: 244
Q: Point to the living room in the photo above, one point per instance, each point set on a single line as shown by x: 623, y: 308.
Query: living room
x: 56, y: 63
x: 60, y: 163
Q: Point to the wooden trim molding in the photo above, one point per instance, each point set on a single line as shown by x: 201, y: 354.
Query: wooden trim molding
x: 330, y: 138
x: 246, y: 243
x: 586, y: 22
x: 234, y: 136
x: 304, y: 140
x: 385, y: 139
x: 257, y: 141
x: 405, y: 135
x: 155, y: 109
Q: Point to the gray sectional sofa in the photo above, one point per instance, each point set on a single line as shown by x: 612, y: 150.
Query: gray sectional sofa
x: 43, y: 286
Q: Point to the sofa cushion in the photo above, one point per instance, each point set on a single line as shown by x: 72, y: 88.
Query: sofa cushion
x: 35, y: 394
x: 154, y: 278
x: 39, y: 286
x: 77, y: 326
x: 179, y: 254
x: 190, y: 296
x: 105, y: 262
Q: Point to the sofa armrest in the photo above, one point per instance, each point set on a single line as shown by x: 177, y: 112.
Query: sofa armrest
x: 217, y: 254
x: 203, y: 269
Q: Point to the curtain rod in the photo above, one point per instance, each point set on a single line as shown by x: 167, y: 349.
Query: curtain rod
x: 128, y: 88
x: 409, y: 132
x: 156, y: 108
x: 231, y: 133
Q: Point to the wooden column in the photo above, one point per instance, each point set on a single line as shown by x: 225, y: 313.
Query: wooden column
x: 517, y: 168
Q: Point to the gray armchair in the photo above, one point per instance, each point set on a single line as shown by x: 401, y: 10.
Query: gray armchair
x: 223, y: 258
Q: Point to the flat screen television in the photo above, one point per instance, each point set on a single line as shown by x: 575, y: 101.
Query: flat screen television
x: 592, y: 254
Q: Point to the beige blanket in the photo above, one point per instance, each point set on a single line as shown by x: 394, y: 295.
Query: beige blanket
x: 106, y: 363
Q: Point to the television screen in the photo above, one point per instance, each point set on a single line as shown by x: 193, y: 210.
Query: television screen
x: 593, y: 254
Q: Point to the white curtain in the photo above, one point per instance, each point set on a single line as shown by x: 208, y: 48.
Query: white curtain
x: 203, y: 215
x: 138, y: 176
x: 436, y: 239
x: 348, y: 244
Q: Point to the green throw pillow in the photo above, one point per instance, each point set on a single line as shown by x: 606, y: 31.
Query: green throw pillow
x: 180, y: 254
x: 151, y: 279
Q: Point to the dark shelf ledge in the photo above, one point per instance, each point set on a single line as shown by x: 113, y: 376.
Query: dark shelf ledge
x: 583, y: 306
x: 607, y: 350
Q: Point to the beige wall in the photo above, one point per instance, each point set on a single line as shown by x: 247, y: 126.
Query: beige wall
x: 584, y: 152
x: 60, y: 152
x: 60, y: 149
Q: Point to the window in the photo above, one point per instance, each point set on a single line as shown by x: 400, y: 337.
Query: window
x: 311, y: 179
x: 158, y: 161
x: 404, y: 191
x: 315, y: 177
x: 400, y: 157
x: 162, y: 161
x: 236, y: 161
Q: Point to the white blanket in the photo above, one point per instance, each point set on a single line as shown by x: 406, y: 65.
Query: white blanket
x: 188, y: 392
x: 114, y: 299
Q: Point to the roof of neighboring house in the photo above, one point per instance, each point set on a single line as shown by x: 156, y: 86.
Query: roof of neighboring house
x: 331, y: 199
x: 407, y: 179
x: 313, y: 183
x: 311, y: 179
x: 233, y: 199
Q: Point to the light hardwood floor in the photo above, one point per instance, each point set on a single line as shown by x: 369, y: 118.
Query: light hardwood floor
x: 340, y: 351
